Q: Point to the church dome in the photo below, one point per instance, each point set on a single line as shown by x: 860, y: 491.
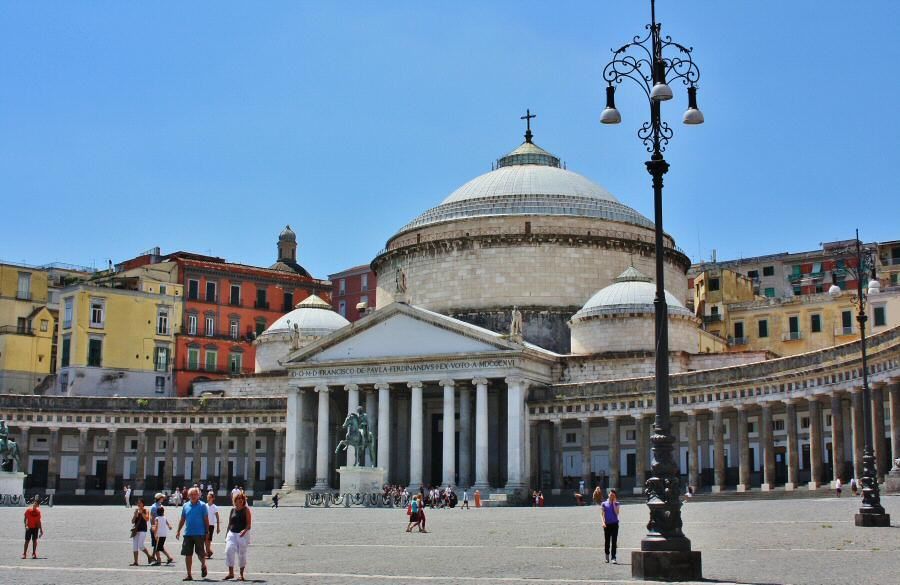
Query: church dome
x: 632, y: 292
x: 313, y: 316
x: 287, y: 234
x: 529, y: 181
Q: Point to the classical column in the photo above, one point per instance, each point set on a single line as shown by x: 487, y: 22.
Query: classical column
x: 250, y: 465
x: 586, y: 452
x: 170, y: 464
x: 384, y: 428
x: 352, y: 404
x: 894, y: 391
x: 481, y: 434
x: 556, y: 455
x: 112, y: 461
x: 743, y: 433
x: 278, y: 472
x: 465, y: 436
x: 372, y: 415
x: 534, y: 453
x: 224, y: 457
x: 641, y: 452
x: 881, y: 464
x: 293, y: 421
x: 449, y: 436
x: 23, y: 441
x: 719, y: 450
x: 693, y: 451
x: 815, y: 443
x: 82, y: 460
x: 196, y: 462
x: 858, y: 430
x: 515, y: 457
x: 837, y: 437
x: 141, y: 467
x: 768, y: 447
x: 614, y: 452
x: 323, y: 444
x: 793, y: 456
x: 54, y: 458
x: 416, y: 450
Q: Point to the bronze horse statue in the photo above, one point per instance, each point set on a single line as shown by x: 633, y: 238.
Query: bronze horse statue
x: 359, y: 437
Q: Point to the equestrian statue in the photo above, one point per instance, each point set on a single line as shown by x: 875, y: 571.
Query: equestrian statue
x: 9, y: 450
x: 359, y: 437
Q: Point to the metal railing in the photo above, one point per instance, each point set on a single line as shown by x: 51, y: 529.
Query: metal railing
x: 845, y: 330
x: 712, y: 318
x: 792, y: 336
x: 738, y: 340
x: 23, y: 295
x: 16, y: 330
x: 261, y: 305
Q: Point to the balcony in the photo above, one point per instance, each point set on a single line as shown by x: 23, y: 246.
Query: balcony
x: 792, y: 336
x: 226, y: 337
x: 838, y: 331
x: 16, y: 330
x: 261, y: 305
x: 738, y: 340
x: 890, y: 261
x: 716, y: 318
x: 23, y: 295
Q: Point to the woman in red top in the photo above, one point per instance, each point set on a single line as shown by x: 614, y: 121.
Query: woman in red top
x: 33, y: 527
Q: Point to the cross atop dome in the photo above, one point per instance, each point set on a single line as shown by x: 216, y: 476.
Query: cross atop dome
x: 527, y: 117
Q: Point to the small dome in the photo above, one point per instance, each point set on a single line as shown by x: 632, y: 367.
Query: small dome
x: 313, y: 316
x: 633, y: 292
x: 287, y: 234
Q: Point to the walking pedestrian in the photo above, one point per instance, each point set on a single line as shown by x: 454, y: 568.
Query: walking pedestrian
x: 275, y: 499
x: 465, y: 500
x: 127, y: 496
x: 598, y: 495
x: 139, y: 523
x: 837, y: 486
x: 34, y: 529
x: 157, y: 502
x: 195, y: 521
x: 413, y: 513
x: 421, y: 516
x: 853, y: 487
x: 213, y: 511
x: 609, y: 519
x: 238, y: 538
x: 160, y: 529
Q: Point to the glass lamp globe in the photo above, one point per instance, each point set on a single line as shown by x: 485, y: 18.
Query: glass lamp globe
x: 835, y: 291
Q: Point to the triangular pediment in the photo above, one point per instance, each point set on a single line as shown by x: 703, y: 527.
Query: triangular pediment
x: 401, y: 330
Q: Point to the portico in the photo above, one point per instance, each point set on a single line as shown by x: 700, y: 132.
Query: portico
x: 423, y: 371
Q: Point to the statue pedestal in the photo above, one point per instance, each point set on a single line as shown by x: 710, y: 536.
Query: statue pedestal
x: 361, y: 480
x: 892, y: 482
x: 12, y: 488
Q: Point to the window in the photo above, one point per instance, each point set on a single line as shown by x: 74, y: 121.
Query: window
x: 288, y: 301
x: 210, y: 292
x: 162, y: 322
x: 364, y: 282
x: 753, y: 274
x: 260, y: 326
x: 804, y: 422
x: 95, y: 352
x: 192, y: 324
x: 162, y: 289
x: 24, y: 289
x: 763, y: 328
x: 769, y: 292
x: 827, y: 420
x: 751, y: 427
x: 66, y: 351
x: 342, y: 286
x: 364, y: 299
x: 193, y: 358
x: 234, y: 328
x: 160, y: 384
x: 342, y: 308
x: 261, y: 301
x: 778, y: 424
x: 97, y: 312
x: 630, y: 435
x: 234, y: 362
x: 22, y: 325
x: 739, y: 330
x: 571, y: 438
x: 210, y: 326
x: 193, y: 290
x: 235, y: 298
x: 768, y: 271
x: 212, y: 359
x: 794, y: 325
x: 713, y: 284
x: 797, y: 290
x: 815, y: 323
x: 880, y: 316
x: 161, y: 359
x: 847, y: 322
x: 67, y: 313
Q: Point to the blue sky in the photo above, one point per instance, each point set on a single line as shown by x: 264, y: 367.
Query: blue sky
x: 208, y: 126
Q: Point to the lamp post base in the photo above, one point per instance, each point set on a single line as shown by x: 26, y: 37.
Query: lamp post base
x: 881, y: 520
x: 666, y: 565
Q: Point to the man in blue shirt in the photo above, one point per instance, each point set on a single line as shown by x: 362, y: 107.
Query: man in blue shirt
x: 195, y: 515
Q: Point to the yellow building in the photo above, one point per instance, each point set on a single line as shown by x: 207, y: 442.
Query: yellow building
x: 714, y: 290
x: 26, y: 329
x: 117, y: 333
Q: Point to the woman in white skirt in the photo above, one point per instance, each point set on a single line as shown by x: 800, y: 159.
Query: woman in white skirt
x: 238, y: 537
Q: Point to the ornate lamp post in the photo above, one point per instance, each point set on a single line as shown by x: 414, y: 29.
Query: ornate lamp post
x: 665, y: 551
x: 871, y: 513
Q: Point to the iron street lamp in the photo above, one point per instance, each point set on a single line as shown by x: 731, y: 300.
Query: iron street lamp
x: 871, y: 513
x: 665, y: 551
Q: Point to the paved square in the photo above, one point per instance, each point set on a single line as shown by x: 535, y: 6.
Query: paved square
x: 789, y: 541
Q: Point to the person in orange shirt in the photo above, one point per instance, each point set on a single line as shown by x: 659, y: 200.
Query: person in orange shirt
x: 33, y: 527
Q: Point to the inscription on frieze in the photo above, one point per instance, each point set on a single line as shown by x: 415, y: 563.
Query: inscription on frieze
x: 414, y: 368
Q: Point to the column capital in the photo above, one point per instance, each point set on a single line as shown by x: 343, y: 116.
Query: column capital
x: 414, y: 384
x: 322, y: 388
x: 447, y: 382
x: 480, y: 381
x: 856, y: 390
x: 516, y: 381
x: 141, y: 431
x: 382, y: 386
x: 224, y: 430
x: 740, y: 406
x: 351, y: 387
x: 612, y: 418
x: 691, y: 413
x: 585, y: 420
x: 83, y: 431
x: 170, y: 432
x: 293, y: 389
x: 54, y: 429
x: 251, y: 430
x: 879, y: 385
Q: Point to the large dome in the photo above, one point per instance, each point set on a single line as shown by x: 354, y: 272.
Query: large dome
x: 530, y: 181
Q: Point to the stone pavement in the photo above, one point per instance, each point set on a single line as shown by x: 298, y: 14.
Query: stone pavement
x: 783, y: 541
